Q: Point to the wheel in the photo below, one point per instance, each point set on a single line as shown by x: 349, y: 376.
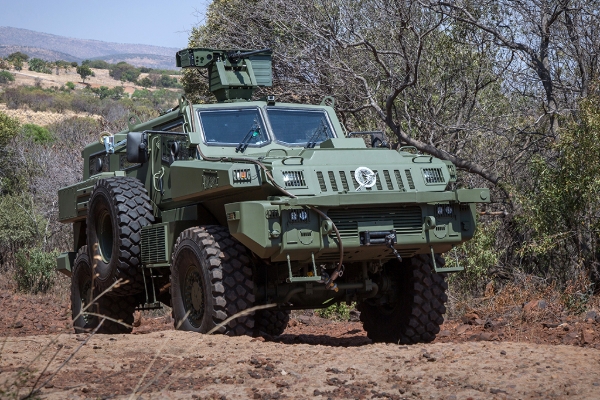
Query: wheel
x: 211, y: 281
x: 83, y: 292
x: 416, y: 307
x: 272, y: 322
x: 118, y: 209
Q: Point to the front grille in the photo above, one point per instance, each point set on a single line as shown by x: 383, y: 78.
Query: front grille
x: 339, y: 180
x: 406, y: 220
x: 153, y: 244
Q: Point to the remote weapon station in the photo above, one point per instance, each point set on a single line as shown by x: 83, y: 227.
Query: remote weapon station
x: 263, y: 207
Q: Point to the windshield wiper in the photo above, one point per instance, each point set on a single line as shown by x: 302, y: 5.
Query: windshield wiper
x: 253, y: 133
x: 322, y: 129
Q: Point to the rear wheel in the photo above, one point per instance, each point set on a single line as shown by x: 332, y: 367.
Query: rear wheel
x: 118, y: 308
x: 416, y: 307
x: 211, y: 281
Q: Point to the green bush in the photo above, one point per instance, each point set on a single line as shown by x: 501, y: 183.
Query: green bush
x: 337, y: 312
x: 9, y: 127
x: 35, y: 270
x: 37, y: 133
x: 39, y: 65
x: 70, y: 85
x: 6, y: 77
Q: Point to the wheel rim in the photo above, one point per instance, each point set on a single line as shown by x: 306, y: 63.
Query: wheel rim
x: 104, y: 232
x: 193, y: 296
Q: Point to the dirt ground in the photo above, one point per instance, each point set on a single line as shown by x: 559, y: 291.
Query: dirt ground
x: 314, y: 358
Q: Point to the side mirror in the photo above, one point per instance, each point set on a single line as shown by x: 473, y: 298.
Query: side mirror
x: 137, y: 147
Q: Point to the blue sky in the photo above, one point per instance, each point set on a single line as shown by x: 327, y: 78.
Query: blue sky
x: 160, y: 23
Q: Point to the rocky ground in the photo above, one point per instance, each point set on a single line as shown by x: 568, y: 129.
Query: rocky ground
x: 474, y: 357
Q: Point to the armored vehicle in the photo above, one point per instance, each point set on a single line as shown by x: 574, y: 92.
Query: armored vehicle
x: 237, y: 212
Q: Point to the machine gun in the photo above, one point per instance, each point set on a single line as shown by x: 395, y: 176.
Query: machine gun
x: 233, y: 74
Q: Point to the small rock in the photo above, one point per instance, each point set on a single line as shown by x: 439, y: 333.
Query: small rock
x: 39, y: 327
x: 587, y: 337
x: 532, y: 305
x: 444, y: 333
x: 49, y: 386
x: 85, y: 389
x: 462, y: 329
x: 18, y: 324
x: 591, y: 315
x: 503, y: 352
x: 469, y: 318
x: 478, y: 321
x: 486, y: 336
x: 497, y: 391
x: 550, y: 325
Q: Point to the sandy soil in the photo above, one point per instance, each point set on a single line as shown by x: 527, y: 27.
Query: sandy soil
x: 314, y: 358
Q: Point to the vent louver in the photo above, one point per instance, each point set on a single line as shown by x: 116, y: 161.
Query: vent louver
x: 433, y: 175
x: 293, y: 178
x: 153, y: 244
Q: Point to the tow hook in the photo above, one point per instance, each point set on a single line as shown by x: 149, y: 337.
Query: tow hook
x: 389, y: 242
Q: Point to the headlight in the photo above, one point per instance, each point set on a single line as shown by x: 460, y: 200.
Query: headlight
x: 440, y: 211
x: 448, y: 210
x: 303, y: 215
x: 293, y: 215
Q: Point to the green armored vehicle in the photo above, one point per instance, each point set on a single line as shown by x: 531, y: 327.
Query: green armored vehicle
x: 237, y: 212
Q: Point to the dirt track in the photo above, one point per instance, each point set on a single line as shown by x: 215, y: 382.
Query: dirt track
x: 173, y: 364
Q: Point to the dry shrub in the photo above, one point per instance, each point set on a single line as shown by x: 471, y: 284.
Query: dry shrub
x: 508, y: 302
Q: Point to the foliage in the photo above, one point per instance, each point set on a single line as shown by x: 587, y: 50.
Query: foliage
x: 34, y: 270
x: 337, y: 312
x: 9, y: 127
x: 39, y: 65
x: 124, y: 72
x: 559, y: 219
x: 84, y: 71
x: 6, y: 77
x: 17, y: 56
x: 104, y: 91
x: 36, y: 133
x: 479, y: 257
x: 98, y: 64
x: 70, y: 85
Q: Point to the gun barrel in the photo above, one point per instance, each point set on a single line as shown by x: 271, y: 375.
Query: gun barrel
x: 235, y: 56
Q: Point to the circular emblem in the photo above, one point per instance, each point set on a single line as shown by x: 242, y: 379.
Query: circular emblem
x: 365, y: 177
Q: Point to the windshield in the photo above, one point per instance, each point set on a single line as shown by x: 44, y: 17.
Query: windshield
x: 232, y: 127
x: 300, y: 126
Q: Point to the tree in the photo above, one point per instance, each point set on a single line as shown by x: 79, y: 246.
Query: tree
x: 124, y: 72
x: 84, y: 71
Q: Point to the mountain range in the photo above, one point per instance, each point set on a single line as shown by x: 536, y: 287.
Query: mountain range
x: 53, y: 47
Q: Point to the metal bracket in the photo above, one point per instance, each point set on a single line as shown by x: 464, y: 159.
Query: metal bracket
x: 444, y: 269
x: 313, y: 278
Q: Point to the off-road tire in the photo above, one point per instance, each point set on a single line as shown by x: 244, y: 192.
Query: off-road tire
x: 211, y: 280
x: 417, y: 313
x: 118, y: 209
x: 83, y: 291
x: 272, y: 322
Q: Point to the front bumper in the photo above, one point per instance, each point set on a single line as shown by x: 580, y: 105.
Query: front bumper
x: 271, y: 231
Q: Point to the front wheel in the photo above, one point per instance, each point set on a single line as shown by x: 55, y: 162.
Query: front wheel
x: 210, y: 282
x: 416, y: 307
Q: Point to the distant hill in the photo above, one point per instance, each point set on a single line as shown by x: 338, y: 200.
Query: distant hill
x: 53, y: 47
